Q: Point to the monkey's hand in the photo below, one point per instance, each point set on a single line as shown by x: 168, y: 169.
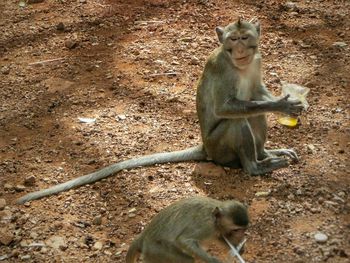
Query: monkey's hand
x: 191, y: 247
x: 290, y: 107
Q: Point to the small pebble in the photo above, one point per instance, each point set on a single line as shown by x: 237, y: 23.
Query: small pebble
x: 6, y: 237
x: 340, y: 44
x: 132, y: 210
x: 8, y: 187
x: 290, y: 6
x: 70, y: 43
x: 5, y: 70
x: 57, y: 242
x: 262, y: 194
x: 60, y: 26
x: 321, y: 238
x: 20, y: 188
x: 195, y: 61
x: 98, y: 245
x: 3, y: 257
x: 121, y: 117
x: 25, y: 257
x: 30, y: 180
x: 311, y: 148
x: 97, y: 220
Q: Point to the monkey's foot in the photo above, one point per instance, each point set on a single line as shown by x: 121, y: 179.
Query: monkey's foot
x: 285, y: 152
x: 267, y: 165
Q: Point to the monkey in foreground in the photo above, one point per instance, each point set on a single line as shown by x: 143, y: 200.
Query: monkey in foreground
x: 231, y: 105
x: 178, y: 232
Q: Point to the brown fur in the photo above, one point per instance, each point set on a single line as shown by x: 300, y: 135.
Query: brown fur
x: 232, y: 102
x: 177, y: 232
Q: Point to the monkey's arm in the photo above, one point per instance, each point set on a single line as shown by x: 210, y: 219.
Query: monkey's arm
x: 193, y: 248
x: 231, y: 107
x: 226, y: 105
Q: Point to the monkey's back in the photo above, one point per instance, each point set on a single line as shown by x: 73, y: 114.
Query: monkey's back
x: 217, y: 75
x: 182, y: 216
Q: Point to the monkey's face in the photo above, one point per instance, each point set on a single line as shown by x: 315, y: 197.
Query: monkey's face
x: 240, y: 40
x: 234, y: 233
x: 232, y: 221
x: 236, y: 236
x: 241, y: 46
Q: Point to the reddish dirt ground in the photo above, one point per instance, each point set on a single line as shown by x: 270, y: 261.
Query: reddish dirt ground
x: 112, y: 59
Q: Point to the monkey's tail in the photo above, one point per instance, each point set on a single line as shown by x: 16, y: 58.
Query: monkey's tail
x: 134, y: 251
x: 196, y: 153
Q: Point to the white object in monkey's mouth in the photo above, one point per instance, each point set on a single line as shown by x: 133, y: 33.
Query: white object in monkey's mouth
x: 235, y: 251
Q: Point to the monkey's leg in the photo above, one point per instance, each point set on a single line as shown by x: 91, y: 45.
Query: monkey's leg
x: 232, y: 140
x: 193, y: 248
x: 258, y: 125
x: 219, y: 148
x: 247, y: 152
x: 164, y: 252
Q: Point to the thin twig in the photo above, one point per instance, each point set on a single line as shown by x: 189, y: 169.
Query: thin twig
x: 150, y: 22
x: 164, y: 74
x: 46, y: 61
x: 253, y: 19
x: 101, y: 5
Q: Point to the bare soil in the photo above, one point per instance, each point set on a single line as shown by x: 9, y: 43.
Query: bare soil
x: 133, y: 65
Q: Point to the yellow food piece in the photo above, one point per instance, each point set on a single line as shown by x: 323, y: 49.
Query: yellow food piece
x: 288, y: 121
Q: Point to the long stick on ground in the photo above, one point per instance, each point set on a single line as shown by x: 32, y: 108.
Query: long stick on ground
x: 46, y: 61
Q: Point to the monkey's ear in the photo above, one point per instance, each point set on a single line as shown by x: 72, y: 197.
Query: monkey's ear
x: 239, y: 22
x: 217, y: 213
x: 220, y: 32
x: 257, y: 27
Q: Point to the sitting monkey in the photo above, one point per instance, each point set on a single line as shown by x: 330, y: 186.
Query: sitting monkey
x: 176, y: 234
x: 231, y: 105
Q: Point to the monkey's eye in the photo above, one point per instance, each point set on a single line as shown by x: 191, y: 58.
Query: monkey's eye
x: 234, y: 38
x: 244, y: 37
